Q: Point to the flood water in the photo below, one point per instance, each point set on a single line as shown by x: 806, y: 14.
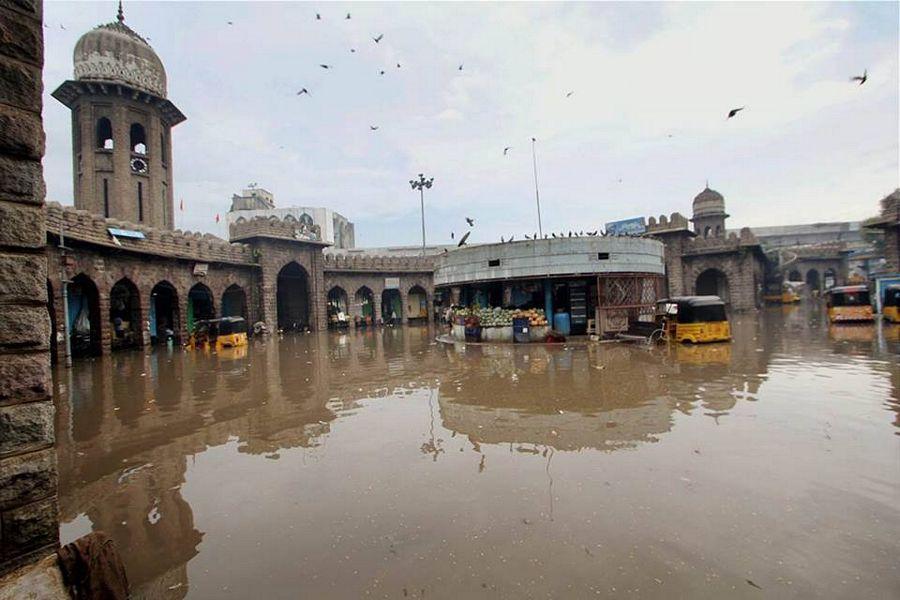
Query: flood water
x: 381, y: 464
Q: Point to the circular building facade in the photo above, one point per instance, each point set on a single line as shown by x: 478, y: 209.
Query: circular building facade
x: 595, y: 283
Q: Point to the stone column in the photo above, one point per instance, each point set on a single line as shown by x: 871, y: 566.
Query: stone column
x: 106, y: 329
x: 429, y: 303
x: 455, y: 293
x: 404, y: 307
x: 376, y: 300
x: 145, y: 299
x: 507, y: 294
x: 28, y: 503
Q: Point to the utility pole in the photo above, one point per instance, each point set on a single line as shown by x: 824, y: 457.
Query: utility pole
x: 420, y: 184
x: 64, y: 283
x: 537, y: 195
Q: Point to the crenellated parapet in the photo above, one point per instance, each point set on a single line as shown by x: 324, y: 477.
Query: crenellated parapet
x: 301, y: 229
x: 673, y: 223
x: 84, y: 226
x: 716, y: 245
x: 345, y: 261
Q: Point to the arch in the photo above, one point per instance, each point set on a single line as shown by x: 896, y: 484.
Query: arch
x: 200, y: 305
x: 137, y: 139
x: 365, y: 300
x: 292, y: 298
x: 84, y: 317
x: 795, y: 275
x: 337, y: 307
x: 713, y: 282
x: 104, y: 134
x: 234, y: 301
x: 812, y: 280
x: 706, y: 231
x: 829, y: 279
x: 307, y: 220
x: 164, y: 313
x: 391, y: 306
x: 125, y: 315
x: 718, y: 231
x: 416, y: 303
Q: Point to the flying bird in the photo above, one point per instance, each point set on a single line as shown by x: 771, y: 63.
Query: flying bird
x: 303, y: 91
x: 569, y: 94
x: 462, y: 240
x: 506, y: 150
x: 381, y: 72
x: 861, y: 78
x: 348, y: 16
x: 734, y: 111
x: 325, y: 66
x: 398, y: 65
x: 231, y: 22
x: 460, y: 67
x: 470, y: 221
x: 373, y: 127
x: 352, y: 49
x: 452, y: 235
x: 378, y: 39
x: 318, y: 17
x: 61, y: 26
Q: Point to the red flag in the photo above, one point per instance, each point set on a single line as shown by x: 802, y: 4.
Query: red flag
x: 181, y: 205
x: 217, y: 217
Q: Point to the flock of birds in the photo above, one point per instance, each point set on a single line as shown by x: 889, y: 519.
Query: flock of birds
x: 471, y: 223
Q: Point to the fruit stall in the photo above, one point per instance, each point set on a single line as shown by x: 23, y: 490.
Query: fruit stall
x: 499, y: 325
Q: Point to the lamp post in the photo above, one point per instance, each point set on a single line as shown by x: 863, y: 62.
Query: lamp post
x: 420, y: 184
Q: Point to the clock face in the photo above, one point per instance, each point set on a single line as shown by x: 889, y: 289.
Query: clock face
x: 138, y: 165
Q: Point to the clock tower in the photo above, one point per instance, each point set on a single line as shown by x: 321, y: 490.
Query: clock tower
x: 121, y: 127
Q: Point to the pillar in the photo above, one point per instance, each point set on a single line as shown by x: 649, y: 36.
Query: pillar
x: 28, y: 476
x: 507, y: 294
x: 455, y: 293
x: 376, y: 299
x: 404, y: 307
x: 548, y: 300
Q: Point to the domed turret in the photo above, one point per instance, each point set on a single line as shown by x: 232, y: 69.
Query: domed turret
x: 709, y: 213
x: 116, y: 53
x: 708, y: 203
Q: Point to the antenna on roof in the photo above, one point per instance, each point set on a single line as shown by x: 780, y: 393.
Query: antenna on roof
x: 121, y: 15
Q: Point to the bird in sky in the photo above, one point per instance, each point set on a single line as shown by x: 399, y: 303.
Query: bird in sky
x: 452, y: 235
x: 61, y: 26
x: 381, y: 72
x: 373, y: 127
x: 352, y: 49
x: 303, y: 91
x: 506, y: 150
x: 348, y: 16
x: 398, y: 65
x: 463, y: 239
x: 861, y: 78
x: 378, y: 38
x: 460, y: 67
x: 569, y: 94
x: 734, y: 111
x: 231, y: 22
x: 470, y: 221
x: 318, y: 17
x: 325, y: 66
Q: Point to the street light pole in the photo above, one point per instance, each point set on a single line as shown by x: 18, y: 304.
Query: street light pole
x: 420, y: 184
x: 537, y: 195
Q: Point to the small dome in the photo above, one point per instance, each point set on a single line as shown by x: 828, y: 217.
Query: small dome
x: 115, y: 53
x: 709, y: 203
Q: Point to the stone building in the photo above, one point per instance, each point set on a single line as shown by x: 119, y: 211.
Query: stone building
x: 705, y: 259
x: 889, y: 223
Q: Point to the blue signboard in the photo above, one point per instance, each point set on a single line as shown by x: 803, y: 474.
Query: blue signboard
x: 126, y: 233
x: 627, y: 227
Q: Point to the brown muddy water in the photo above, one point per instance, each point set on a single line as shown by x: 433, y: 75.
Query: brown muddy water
x: 381, y: 464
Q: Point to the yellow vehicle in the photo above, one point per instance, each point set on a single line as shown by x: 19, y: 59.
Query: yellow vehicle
x: 696, y: 319
x: 227, y: 332
x: 789, y: 294
x: 891, y: 306
x: 849, y: 303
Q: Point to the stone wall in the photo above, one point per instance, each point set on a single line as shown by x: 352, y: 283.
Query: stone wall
x: 28, y: 479
x: 353, y: 282
x: 274, y: 255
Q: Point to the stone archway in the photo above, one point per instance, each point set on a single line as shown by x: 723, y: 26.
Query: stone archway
x: 416, y: 303
x: 125, y: 315
x: 713, y: 282
x: 84, y: 317
x: 200, y: 305
x: 795, y: 275
x: 391, y: 306
x: 365, y: 300
x: 292, y: 298
x: 234, y: 301
x: 164, y: 313
x: 812, y: 280
x: 338, y: 307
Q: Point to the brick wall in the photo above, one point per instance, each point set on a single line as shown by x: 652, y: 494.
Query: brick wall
x: 28, y: 480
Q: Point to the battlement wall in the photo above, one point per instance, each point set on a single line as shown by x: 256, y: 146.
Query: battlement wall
x: 287, y: 228
x: 394, y: 264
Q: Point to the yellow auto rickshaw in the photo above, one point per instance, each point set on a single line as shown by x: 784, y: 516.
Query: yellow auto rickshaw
x: 849, y: 303
x: 227, y: 332
x: 789, y: 293
x: 696, y: 319
x: 890, y: 308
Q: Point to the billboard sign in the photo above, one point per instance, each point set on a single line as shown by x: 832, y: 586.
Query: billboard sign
x: 626, y: 227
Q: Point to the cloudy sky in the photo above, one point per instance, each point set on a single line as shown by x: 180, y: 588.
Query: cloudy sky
x: 642, y: 132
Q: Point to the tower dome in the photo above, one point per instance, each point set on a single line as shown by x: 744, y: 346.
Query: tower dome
x: 116, y: 53
x: 709, y: 203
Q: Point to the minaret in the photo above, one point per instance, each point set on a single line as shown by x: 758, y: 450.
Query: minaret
x: 121, y: 127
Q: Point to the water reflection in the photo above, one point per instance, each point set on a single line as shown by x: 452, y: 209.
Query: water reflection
x: 382, y: 463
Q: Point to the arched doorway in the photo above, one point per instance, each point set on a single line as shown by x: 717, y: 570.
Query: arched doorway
x: 84, y: 317
x: 417, y: 304
x: 812, y: 280
x: 795, y: 275
x: 293, y: 298
x: 364, y: 305
x: 125, y: 315
x: 337, y: 308
x: 164, y: 315
x: 234, y: 302
x: 830, y: 278
x: 391, y: 307
x: 713, y: 282
x: 200, y: 305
